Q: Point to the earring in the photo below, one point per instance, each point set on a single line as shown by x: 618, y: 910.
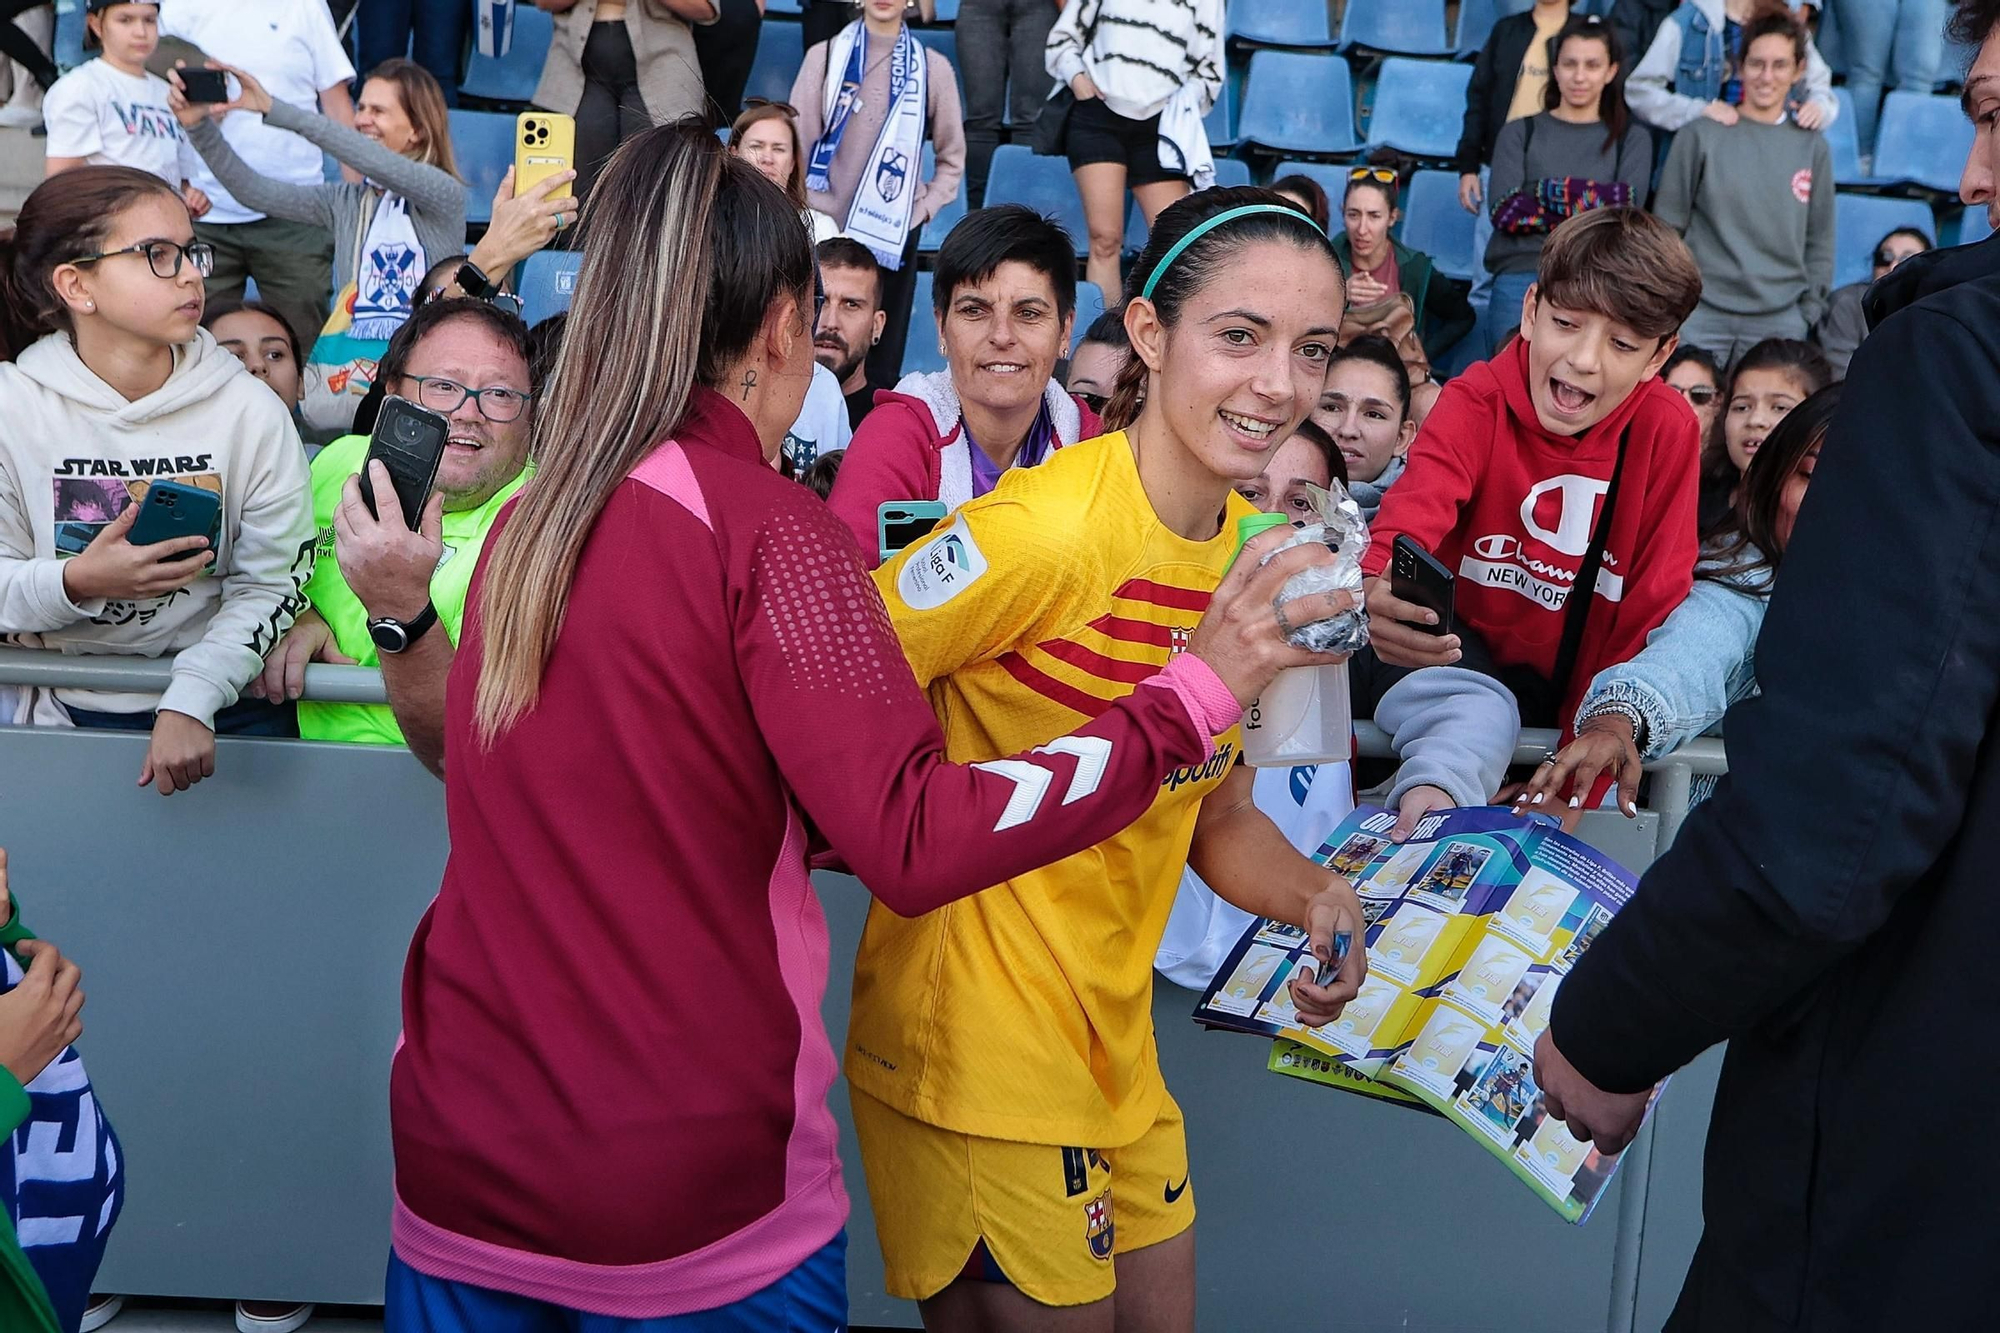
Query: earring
x: 90, y: 305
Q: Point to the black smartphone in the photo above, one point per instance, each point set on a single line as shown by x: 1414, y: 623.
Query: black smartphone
x: 205, y: 86
x: 173, y: 509
x: 409, y: 440
x: 1416, y: 576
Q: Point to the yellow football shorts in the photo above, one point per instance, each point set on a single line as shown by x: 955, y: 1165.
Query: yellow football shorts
x: 1052, y: 1218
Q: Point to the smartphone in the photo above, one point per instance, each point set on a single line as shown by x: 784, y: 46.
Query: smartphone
x: 1416, y: 576
x: 205, y: 86
x: 409, y: 440
x: 900, y: 523
x: 173, y: 509
x: 544, y: 144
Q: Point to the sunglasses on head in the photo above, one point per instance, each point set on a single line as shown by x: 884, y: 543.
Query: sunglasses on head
x: 1381, y: 175
x: 752, y: 103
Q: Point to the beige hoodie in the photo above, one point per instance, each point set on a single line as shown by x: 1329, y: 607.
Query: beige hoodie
x: 74, y: 453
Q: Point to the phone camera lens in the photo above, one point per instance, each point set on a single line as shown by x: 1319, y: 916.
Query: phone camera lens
x: 409, y: 430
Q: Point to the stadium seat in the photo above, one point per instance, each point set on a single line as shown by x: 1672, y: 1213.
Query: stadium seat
x: 1419, y: 107
x: 1923, y: 140
x: 920, y: 349
x: 947, y: 11
x: 1089, y: 305
x: 1332, y: 178
x: 1299, y: 103
x: 548, y: 280
x: 483, y: 142
x: 789, y: 8
x: 944, y: 41
x: 1229, y: 171
x: 1435, y: 223
x: 514, y: 76
x: 947, y: 217
x: 1845, y: 143
x: 1958, y: 58
x: 1972, y: 227
x: 1043, y: 184
x: 1860, y: 221
x: 1476, y: 19
x: 780, y: 51
x: 1299, y: 23
x: 1220, y: 122
x: 1406, y: 27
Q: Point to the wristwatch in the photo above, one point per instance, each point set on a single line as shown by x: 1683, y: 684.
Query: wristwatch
x: 396, y: 636
x: 474, y: 283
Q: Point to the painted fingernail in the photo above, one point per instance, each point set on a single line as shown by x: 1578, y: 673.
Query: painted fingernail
x: 1632, y: 808
x: 1539, y: 797
x: 1576, y: 803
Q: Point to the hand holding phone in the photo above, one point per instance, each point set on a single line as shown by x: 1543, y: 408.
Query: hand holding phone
x: 409, y: 441
x: 204, y: 87
x: 901, y: 523
x: 1416, y: 576
x: 544, y: 145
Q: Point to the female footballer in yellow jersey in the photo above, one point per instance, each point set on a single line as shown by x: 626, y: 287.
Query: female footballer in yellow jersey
x: 1027, y: 1165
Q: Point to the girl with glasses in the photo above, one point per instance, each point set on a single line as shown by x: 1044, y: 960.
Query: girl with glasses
x: 112, y: 389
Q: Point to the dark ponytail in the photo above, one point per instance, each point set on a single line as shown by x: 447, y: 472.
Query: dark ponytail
x: 1191, y: 269
x: 67, y: 217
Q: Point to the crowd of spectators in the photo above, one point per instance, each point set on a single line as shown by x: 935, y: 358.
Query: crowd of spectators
x: 1606, y: 436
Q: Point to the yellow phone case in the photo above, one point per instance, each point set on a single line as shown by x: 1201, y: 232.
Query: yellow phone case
x: 544, y: 144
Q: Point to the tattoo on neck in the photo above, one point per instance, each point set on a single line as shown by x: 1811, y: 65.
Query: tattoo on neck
x: 749, y: 383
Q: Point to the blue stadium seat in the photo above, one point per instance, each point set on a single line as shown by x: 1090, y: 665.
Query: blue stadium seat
x: 781, y: 49
x: 1299, y: 103
x: 1089, y: 305
x: 1407, y: 27
x: 920, y: 349
x: 1958, y: 57
x: 547, y: 281
x: 1220, y: 122
x: 1972, y: 227
x: 1923, y: 140
x: 947, y: 217
x: 1229, y: 171
x: 1860, y: 221
x: 789, y: 8
x: 1332, y: 178
x: 947, y: 11
x: 944, y: 41
x: 1043, y: 184
x: 1301, y: 23
x: 513, y: 77
x: 1435, y: 223
x: 1476, y: 19
x: 483, y: 142
x: 1419, y: 107
x: 1845, y: 143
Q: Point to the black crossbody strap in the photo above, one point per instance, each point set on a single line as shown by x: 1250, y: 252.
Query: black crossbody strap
x: 1576, y: 607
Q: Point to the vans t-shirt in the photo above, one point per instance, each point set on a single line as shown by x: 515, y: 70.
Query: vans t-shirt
x: 109, y: 118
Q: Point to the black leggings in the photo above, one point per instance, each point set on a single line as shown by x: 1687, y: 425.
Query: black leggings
x: 726, y: 49
x: 612, y: 110
x: 20, y: 48
x: 899, y: 288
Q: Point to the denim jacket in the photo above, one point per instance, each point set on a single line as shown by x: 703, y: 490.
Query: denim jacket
x: 1698, y: 663
x: 1683, y: 69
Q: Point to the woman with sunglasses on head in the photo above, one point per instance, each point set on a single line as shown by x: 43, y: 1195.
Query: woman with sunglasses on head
x: 1582, y: 151
x: 1380, y: 270
x: 1012, y: 1099
x: 1702, y: 660
x: 1843, y: 326
x: 112, y: 390
x: 766, y: 136
x: 1144, y: 73
x: 867, y: 101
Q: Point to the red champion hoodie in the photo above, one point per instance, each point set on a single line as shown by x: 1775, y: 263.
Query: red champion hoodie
x: 1510, y: 509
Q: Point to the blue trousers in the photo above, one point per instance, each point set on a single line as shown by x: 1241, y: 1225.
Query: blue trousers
x: 812, y: 1298
x: 388, y: 27
x: 1869, y: 31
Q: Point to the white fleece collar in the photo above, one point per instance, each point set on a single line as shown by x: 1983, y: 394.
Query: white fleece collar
x: 936, y: 392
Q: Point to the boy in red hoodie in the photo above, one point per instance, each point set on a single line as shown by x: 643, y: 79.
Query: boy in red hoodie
x: 1508, y: 482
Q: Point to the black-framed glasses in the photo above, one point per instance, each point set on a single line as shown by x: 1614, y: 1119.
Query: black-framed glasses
x: 165, y: 257
x: 1096, y: 402
x: 752, y: 103
x: 444, y: 397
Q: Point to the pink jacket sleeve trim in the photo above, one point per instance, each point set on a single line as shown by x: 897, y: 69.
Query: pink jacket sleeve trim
x: 1207, y: 700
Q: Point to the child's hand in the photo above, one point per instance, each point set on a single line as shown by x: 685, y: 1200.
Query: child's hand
x: 42, y: 1015
x: 182, y: 753
x: 1416, y: 803
x: 114, y: 569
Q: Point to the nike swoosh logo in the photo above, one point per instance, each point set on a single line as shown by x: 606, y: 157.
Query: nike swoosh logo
x: 1174, y: 1192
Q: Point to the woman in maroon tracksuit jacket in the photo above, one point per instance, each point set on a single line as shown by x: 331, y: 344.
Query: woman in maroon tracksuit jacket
x: 611, y: 1097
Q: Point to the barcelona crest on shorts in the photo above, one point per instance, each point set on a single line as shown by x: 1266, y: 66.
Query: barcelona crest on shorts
x: 1097, y: 1229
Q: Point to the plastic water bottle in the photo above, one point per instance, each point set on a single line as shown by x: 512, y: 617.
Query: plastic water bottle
x: 1305, y: 715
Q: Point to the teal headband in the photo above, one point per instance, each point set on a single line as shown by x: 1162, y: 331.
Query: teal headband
x: 1203, y: 229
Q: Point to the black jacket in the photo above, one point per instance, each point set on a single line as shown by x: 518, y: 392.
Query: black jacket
x: 1833, y: 912
x: 1636, y: 21
x: 1491, y: 91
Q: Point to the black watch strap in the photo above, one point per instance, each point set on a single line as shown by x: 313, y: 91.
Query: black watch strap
x: 396, y: 636
x: 473, y: 281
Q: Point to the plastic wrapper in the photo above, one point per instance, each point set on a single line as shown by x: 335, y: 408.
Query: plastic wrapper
x: 1336, y: 523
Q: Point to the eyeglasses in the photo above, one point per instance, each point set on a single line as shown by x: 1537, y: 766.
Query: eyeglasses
x: 1380, y: 175
x: 752, y: 103
x: 1701, y: 395
x: 443, y: 396
x: 165, y: 256
x: 1096, y: 402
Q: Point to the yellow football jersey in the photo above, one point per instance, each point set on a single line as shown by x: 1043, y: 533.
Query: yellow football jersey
x: 1024, y: 1012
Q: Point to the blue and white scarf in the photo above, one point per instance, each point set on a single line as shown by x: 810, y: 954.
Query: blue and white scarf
x: 392, y: 264
x: 493, y: 27
x: 885, y: 201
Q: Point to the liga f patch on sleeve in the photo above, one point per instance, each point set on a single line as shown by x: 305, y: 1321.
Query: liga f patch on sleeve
x: 941, y: 568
